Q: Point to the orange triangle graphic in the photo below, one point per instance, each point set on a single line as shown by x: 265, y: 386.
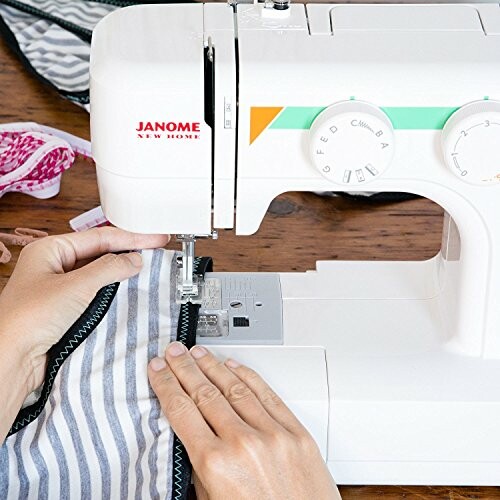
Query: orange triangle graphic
x: 260, y: 118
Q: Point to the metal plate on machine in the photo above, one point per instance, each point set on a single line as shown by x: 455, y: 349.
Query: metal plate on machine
x: 212, y: 319
x: 241, y: 308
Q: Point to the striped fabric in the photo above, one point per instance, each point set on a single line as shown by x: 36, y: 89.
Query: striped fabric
x: 56, y: 53
x: 102, y: 434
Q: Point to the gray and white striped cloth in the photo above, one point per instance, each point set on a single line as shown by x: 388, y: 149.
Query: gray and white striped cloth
x: 102, y: 434
x: 58, y: 55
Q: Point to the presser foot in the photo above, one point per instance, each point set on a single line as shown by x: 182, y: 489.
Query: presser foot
x: 189, y: 285
x: 191, y: 293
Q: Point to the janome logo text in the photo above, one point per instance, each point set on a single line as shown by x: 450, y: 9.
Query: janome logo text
x: 168, y: 130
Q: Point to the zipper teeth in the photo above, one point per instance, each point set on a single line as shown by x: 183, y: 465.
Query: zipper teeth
x: 37, y: 12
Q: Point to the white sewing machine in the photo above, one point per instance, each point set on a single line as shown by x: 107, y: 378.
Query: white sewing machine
x: 203, y: 113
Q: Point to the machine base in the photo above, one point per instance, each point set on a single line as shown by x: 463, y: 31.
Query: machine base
x: 403, y: 404
x: 416, y: 473
x: 406, y: 405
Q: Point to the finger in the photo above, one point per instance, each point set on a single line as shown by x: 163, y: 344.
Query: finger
x: 5, y: 255
x: 181, y: 412
x: 106, y: 270
x: 82, y: 263
x: 201, y: 492
x: 213, y: 406
x: 61, y: 252
x: 268, y: 398
x: 239, y: 395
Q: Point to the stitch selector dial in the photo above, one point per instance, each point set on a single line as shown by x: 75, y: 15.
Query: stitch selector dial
x: 351, y: 142
x: 471, y: 143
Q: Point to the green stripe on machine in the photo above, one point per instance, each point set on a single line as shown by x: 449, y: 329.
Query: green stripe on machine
x: 296, y: 117
x: 402, y: 118
x: 418, y: 118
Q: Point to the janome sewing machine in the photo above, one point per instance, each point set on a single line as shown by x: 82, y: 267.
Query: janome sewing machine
x: 203, y: 113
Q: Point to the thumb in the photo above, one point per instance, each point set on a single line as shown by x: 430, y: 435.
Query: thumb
x: 108, y: 269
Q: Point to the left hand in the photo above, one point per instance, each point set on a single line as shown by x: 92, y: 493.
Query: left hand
x: 53, y: 283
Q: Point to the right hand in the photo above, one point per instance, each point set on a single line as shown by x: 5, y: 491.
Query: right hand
x: 243, y: 442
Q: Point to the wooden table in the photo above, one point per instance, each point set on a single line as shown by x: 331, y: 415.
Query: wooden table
x: 299, y: 229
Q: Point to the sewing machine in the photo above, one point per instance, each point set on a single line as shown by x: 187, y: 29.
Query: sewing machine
x: 203, y: 113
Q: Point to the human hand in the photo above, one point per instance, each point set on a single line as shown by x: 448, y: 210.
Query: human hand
x: 243, y: 442
x: 54, y: 281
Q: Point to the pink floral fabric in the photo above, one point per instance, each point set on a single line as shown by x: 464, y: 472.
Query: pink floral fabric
x: 32, y: 162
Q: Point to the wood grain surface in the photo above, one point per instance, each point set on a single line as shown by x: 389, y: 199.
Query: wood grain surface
x: 299, y: 229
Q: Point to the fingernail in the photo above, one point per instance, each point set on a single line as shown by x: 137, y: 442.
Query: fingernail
x: 232, y: 363
x: 157, y: 364
x: 135, y: 258
x: 198, y: 352
x: 176, y: 349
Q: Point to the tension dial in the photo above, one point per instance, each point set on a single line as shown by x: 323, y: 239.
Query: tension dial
x: 471, y: 143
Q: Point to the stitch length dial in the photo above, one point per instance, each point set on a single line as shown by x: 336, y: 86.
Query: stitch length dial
x: 471, y: 139
x: 352, y: 142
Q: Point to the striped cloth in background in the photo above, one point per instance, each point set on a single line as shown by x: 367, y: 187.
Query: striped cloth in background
x: 102, y: 435
x: 52, y: 38
x: 59, y: 53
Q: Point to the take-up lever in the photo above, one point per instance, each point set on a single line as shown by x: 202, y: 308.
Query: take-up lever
x: 189, y: 284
